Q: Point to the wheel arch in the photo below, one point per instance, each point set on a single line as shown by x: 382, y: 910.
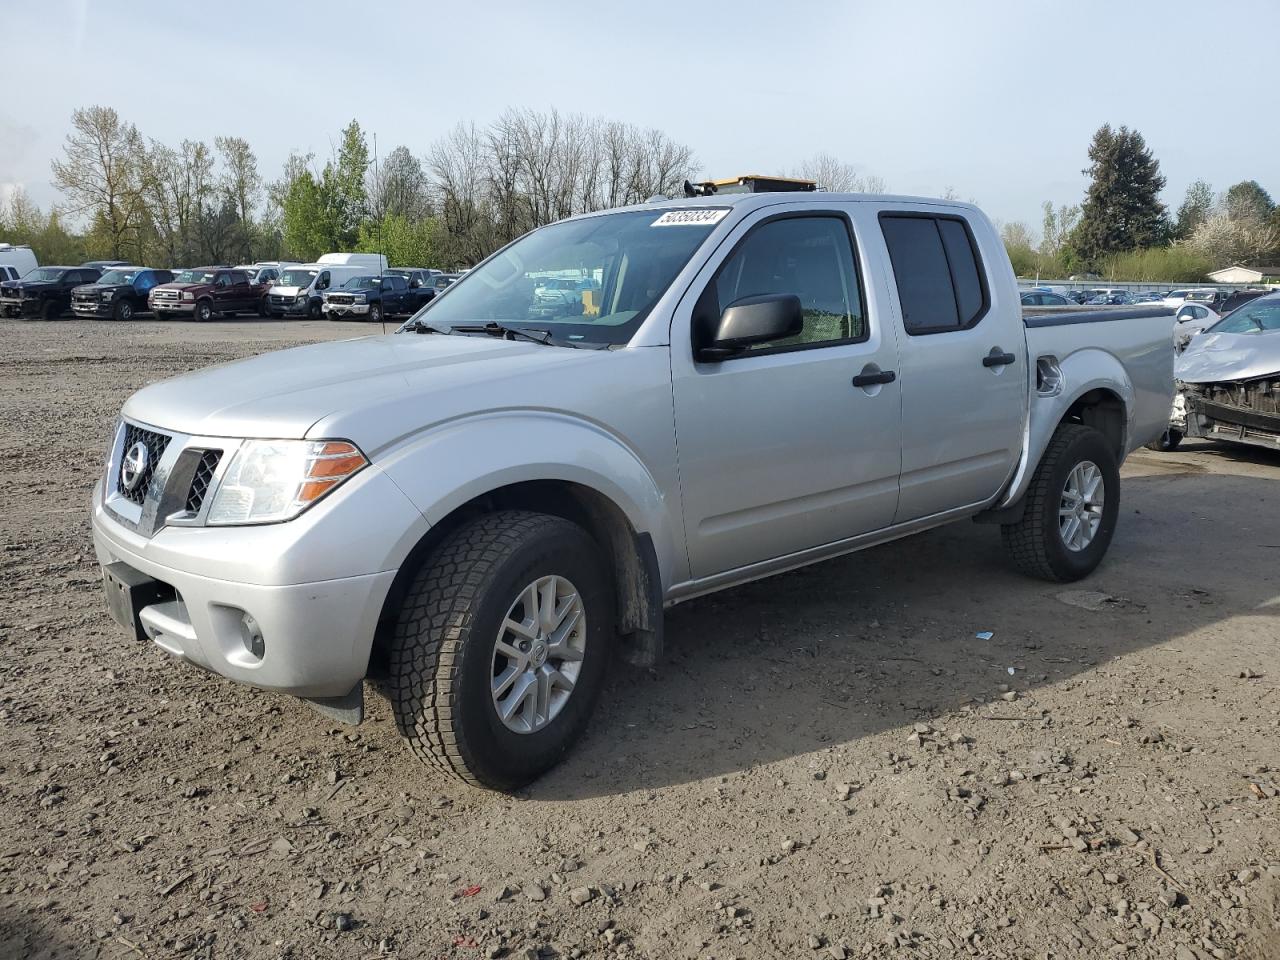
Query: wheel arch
x: 630, y: 555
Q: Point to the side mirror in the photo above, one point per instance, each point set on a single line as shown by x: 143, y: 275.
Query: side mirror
x: 752, y: 320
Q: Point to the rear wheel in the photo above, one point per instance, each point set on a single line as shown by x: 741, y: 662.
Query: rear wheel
x: 500, y: 648
x: 1071, y: 507
x: 1167, y: 441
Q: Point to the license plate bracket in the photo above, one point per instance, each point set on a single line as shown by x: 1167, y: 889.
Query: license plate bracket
x: 129, y: 592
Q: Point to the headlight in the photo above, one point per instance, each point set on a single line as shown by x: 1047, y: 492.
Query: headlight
x: 360, y: 298
x: 108, y: 295
x: 188, y: 295
x: 300, y: 298
x: 274, y: 480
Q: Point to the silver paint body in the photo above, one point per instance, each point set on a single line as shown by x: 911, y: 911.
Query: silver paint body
x: 736, y: 470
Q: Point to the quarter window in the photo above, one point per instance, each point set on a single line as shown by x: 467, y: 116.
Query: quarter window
x: 811, y: 257
x: 939, y: 278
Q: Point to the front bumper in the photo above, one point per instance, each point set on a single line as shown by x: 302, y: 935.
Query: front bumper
x: 316, y: 624
x: 1215, y: 420
x: 93, y: 308
x: 345, y: 309
x: 290, y: 308
x: 24, y: 307
x: 172, y: 308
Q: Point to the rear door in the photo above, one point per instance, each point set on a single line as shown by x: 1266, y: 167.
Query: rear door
x: 964, y: 382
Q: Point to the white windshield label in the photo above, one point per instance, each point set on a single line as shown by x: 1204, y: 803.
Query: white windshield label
x: 689, y: 218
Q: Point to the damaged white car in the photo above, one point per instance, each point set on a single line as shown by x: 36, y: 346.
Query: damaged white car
x: 1228, y: 380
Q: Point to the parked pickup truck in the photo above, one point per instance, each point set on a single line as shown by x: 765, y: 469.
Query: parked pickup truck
x: 371, y: 298
x: 118, y: 294
x: 206, y: 292
x: 44, y: 292
x: 478, y: 510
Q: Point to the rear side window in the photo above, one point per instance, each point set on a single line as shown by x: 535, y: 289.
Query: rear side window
x: 939, y: 278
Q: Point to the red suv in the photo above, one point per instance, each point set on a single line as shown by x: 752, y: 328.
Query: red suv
x: 205, y: 291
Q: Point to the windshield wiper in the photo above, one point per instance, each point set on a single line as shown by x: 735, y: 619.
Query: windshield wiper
x: 422, y: 326
x: 495, y: 329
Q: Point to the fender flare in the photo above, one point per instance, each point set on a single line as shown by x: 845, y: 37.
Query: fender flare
x: 1082, y: 372
x: 452, y: 463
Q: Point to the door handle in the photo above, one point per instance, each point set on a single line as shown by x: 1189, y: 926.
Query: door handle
x: 871, y: 379
x: 997, y: 359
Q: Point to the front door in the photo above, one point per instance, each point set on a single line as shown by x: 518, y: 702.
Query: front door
x: 964, y: 377
x: 779, y: 451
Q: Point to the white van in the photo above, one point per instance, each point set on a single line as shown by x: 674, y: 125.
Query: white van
x: 22, y: 258
x: 298, y: 290
x: 371, y: 262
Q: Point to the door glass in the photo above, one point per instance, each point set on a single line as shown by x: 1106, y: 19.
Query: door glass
x: 923, y: 277
x: 811, y: 257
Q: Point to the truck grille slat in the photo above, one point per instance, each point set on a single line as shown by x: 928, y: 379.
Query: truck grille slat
x: 203, y: 478
x: 155, y: 444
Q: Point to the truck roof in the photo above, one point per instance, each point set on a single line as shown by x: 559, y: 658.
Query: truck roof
x: 752, y: 201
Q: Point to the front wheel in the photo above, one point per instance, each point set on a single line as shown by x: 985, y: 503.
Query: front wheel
x: 49, y: 311
x: 375, y: 312
x: 1167, y: 442
x: 204, y: 311
x: 1071, y: 507
x: 123, y: 310
x: 313, y: 310
x: 500, y: 648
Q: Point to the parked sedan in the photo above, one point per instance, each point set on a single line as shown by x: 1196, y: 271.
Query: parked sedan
x: 1040, y: 298
x: 1191, y: 320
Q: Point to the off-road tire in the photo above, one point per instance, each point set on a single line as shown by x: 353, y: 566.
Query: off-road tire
x: 441, y: 648
x: 1167, y: 442
x: 1035, y: 542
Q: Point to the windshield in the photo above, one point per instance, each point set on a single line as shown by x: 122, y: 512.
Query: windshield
x: 118, y: 276
x: 360, y: 283
x: 297, y: 278
x: 194, y: 276
x: 1259, y: 316
x: 591, y: 280
x: 42, y: 274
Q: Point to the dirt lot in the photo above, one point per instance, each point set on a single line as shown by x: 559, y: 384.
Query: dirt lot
x: 831, y: 763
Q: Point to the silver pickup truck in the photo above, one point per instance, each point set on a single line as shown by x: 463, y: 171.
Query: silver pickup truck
x: 479, y: 510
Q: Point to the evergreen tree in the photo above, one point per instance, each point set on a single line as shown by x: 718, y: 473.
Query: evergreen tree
x: 1195, y: 209
x: 1122, y: 209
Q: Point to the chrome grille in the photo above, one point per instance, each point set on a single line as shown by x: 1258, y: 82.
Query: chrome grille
x: 166, y: 295
x: 203, y: 478
x: 155, y: 444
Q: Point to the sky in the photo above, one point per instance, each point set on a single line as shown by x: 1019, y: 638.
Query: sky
x: 995, y: 100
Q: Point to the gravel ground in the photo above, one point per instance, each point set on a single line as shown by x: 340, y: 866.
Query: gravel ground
x: 833, y: 763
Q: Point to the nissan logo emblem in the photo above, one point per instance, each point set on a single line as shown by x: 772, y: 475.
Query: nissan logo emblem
x: 134, y: 465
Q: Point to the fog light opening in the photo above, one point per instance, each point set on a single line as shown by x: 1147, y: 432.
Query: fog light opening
x: 251, y: 636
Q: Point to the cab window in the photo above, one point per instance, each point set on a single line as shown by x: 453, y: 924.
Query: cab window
x: 809, y: 256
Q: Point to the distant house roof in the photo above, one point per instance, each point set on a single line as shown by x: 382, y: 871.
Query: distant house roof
x: 1258, y: 271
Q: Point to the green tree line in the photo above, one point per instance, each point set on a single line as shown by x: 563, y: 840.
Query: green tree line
x: 1122, y: 231
x: 201, y: 202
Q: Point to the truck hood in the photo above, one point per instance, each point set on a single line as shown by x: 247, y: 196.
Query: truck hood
x: 182, y: 286
x: 281, y: 395
x: 286, y: 291
x: 29, y: 286
x: 101, y: 288
x: 1214, y: 357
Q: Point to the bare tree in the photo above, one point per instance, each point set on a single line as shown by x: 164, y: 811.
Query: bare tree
x: 101, y: 173
x: 831, y: 174
x: 398, y: 187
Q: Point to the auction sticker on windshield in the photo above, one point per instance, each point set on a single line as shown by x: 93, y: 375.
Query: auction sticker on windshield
x: 690, y: 218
